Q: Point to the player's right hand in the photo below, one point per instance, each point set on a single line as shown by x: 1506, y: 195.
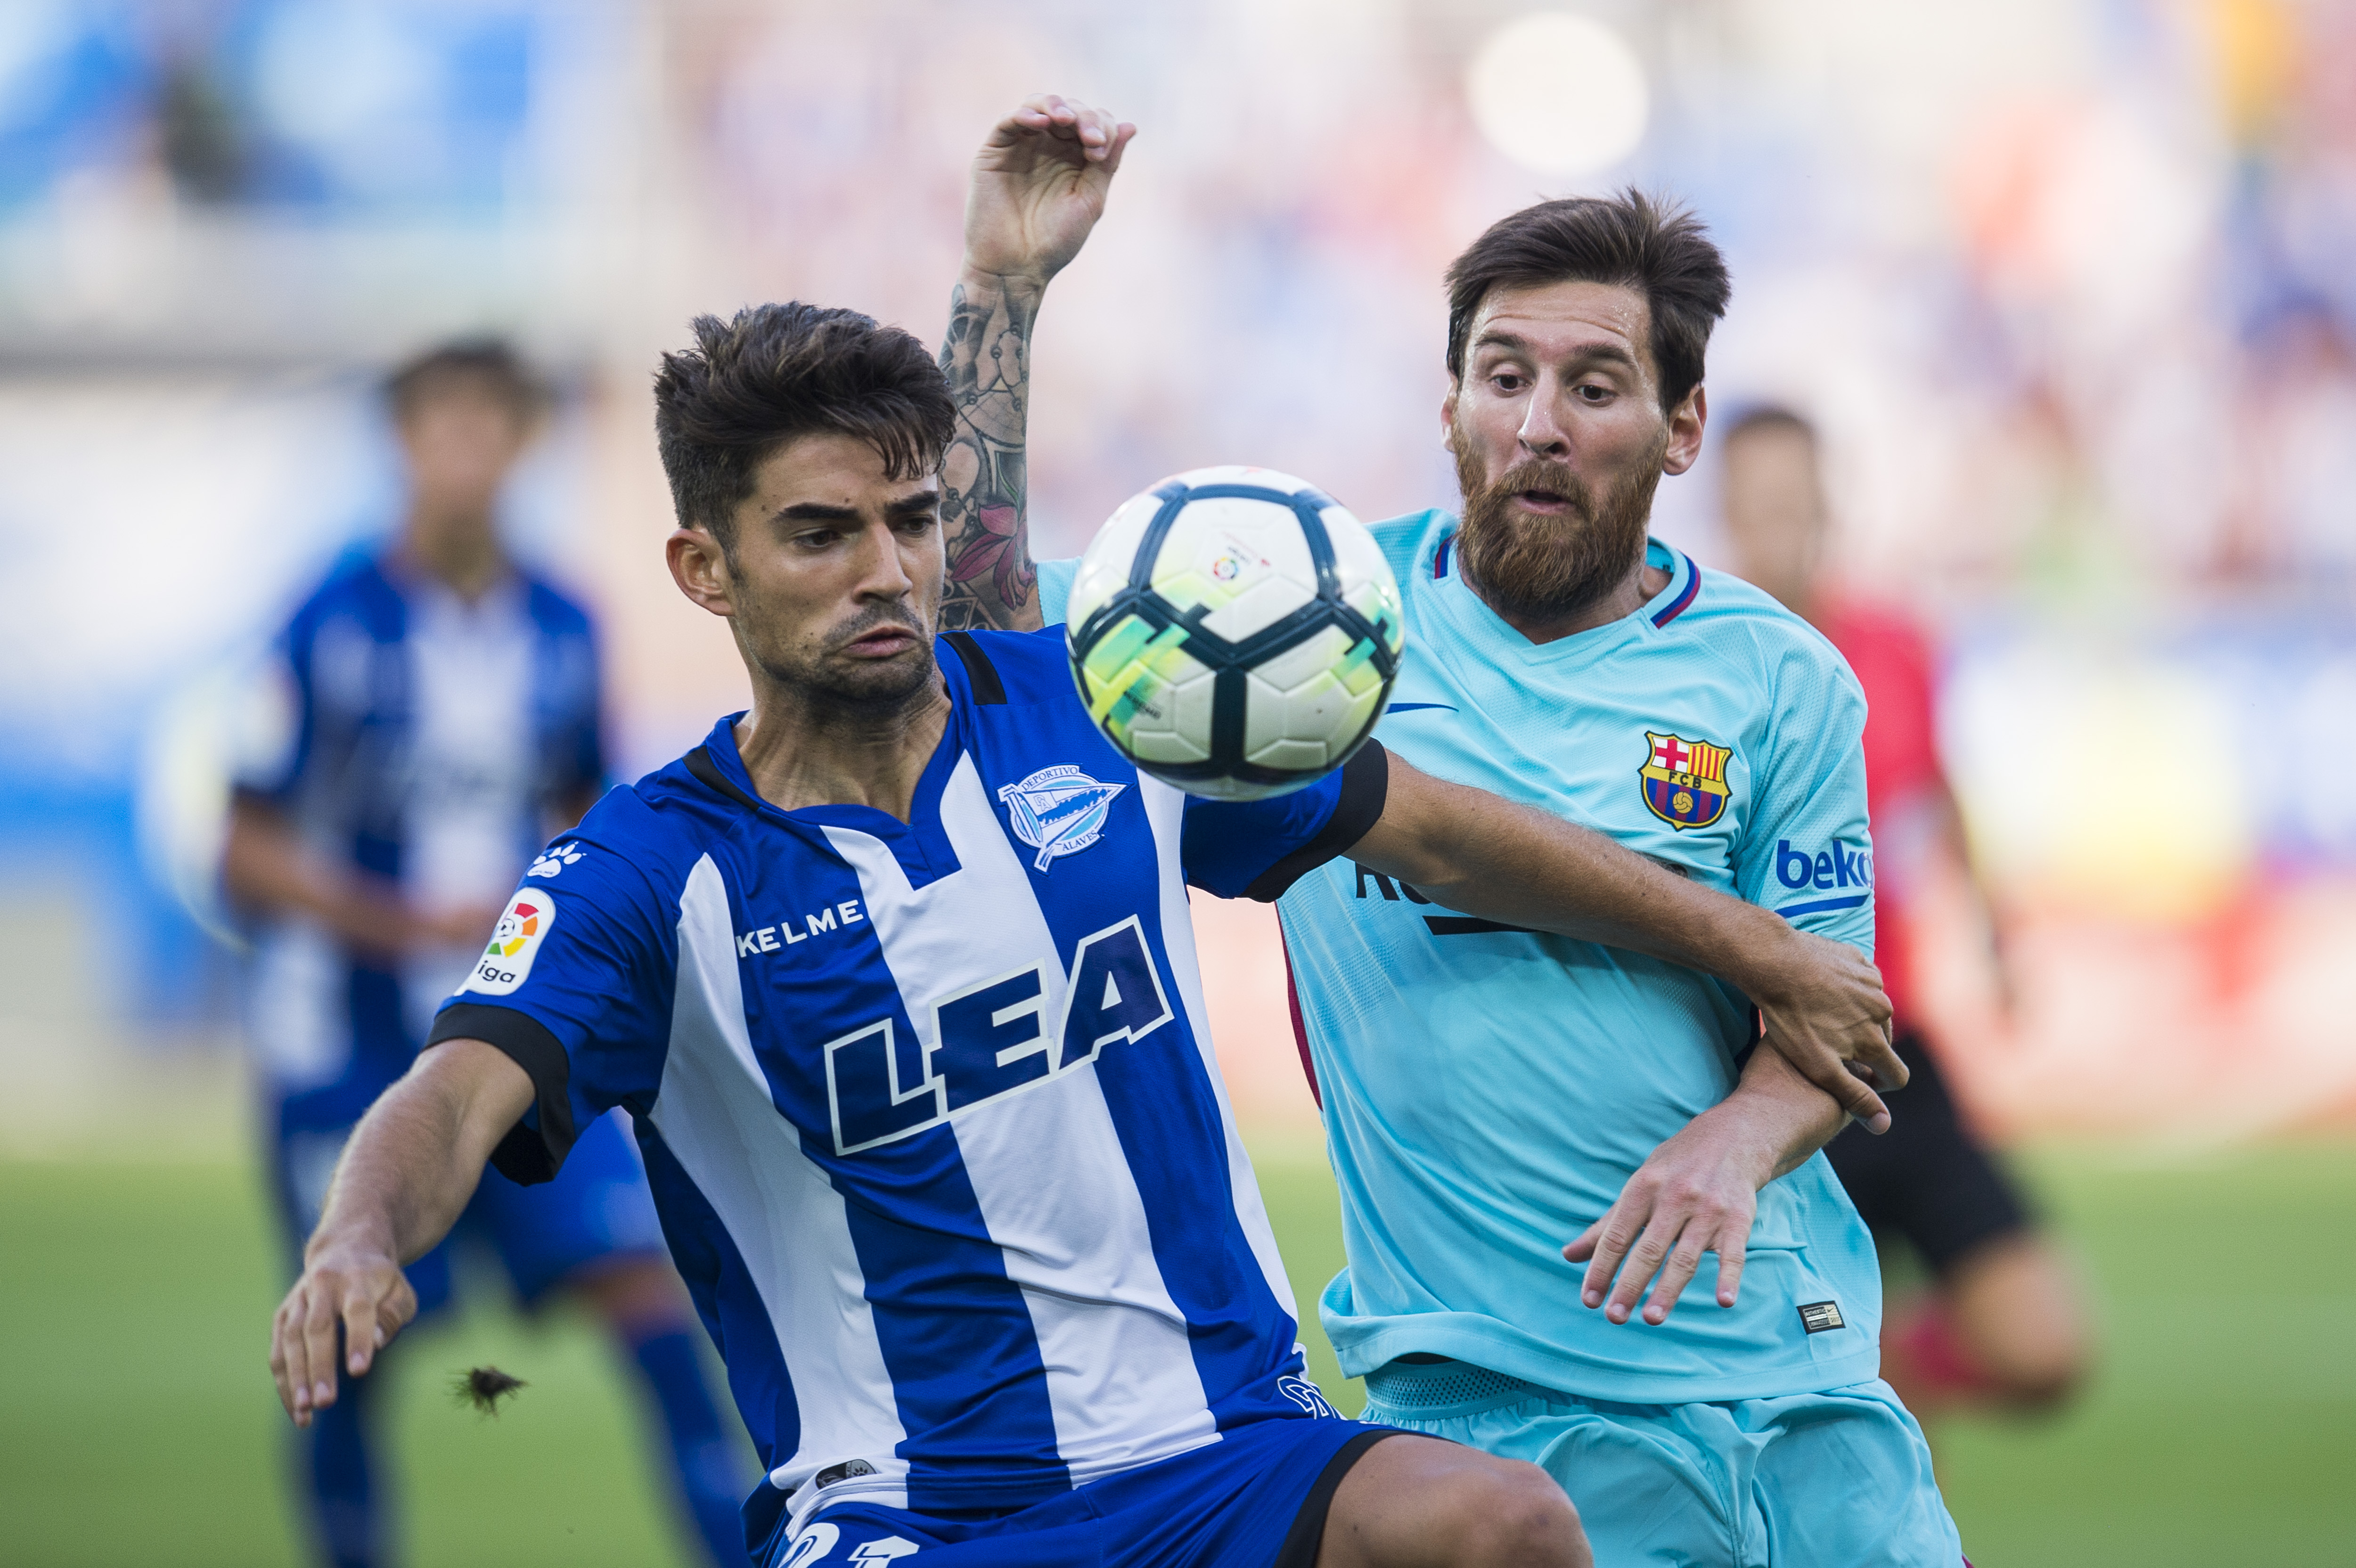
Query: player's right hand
x: 1828, y: 1016
x: 1039, y: 185
x: 358, y: 1290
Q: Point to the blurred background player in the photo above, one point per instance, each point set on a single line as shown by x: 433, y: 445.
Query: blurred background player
x: 2003, y: 1322
x: 427, y: 719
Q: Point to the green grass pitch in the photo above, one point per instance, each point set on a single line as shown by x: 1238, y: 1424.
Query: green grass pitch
x: 136, y: 1422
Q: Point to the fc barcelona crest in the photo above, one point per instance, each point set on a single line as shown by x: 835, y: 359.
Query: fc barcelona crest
x: 1684, y: 780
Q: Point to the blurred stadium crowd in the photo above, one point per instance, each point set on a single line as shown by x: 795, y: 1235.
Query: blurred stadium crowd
x: 2064, y: 283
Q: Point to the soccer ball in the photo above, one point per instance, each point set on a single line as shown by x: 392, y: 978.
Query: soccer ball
x: 1235, y: 631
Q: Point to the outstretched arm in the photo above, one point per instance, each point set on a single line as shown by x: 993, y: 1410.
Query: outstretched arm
x: 1472, y: 852
x: 1038, y: 188
x: 404, y: 1179
x: 1699, y: 1191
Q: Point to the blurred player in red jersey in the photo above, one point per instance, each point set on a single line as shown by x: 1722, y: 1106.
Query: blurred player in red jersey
x: 2003, y: 1323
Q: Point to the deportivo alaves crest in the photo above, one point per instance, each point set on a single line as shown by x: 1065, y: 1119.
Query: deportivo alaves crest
x: 1684, y: 780
x: 1058, y: 811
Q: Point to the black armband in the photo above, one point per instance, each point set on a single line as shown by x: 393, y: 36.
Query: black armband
x: 1365, y: 786
x: 530, y: 1153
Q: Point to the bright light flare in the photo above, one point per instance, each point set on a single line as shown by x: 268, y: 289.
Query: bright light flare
x: 1559, y: 94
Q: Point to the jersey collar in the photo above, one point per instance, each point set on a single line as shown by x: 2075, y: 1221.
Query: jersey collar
x: 1473, y: 615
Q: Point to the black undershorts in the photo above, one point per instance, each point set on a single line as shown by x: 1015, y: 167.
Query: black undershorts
x: 1928, y: 1177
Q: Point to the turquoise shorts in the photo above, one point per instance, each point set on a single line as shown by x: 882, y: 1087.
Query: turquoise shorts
x: 1836, y: 1479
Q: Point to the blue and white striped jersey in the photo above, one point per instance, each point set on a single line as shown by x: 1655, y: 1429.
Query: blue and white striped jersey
x: 409, y: 735
x: 929, y: 1108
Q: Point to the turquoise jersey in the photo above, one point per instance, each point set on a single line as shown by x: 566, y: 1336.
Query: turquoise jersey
x: 1488, y: 1092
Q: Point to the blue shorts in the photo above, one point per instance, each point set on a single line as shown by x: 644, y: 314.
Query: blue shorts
x: 597, y: 1209
x: 1836, y: 1479
x: 1255, y: 1498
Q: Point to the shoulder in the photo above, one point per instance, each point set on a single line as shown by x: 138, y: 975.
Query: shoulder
x: 1748, y: 630
x: 652, y: 833
x: 554, y: 611
x: 1025, y: 667
x: 355, y: 589
x: 1407, y: 541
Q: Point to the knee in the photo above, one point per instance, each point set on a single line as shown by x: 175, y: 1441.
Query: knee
x: 1517, y: 1516
x: 2045, y: 1375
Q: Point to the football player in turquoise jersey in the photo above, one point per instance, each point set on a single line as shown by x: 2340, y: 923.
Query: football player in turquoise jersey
x: 1482, y: 1106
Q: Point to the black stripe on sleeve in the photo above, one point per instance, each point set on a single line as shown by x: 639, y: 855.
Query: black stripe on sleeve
x: 1365, y: 786
x: 988, y: 689
x: 524, y: 1155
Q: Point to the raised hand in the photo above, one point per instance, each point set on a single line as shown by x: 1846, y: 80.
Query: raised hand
x: 1039, y: 185
x: 1038, y: 188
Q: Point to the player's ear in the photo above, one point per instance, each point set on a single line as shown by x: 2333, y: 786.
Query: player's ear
x: 1448, y: 415
x: 700, y: 567
x: 1686, y: 422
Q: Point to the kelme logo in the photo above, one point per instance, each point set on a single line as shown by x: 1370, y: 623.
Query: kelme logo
x: 522, y: 927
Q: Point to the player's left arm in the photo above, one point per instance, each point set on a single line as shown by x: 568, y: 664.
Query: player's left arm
x: 1806, y: 854
x: 1699, y: 1192
x: 1037, y: 188
x: 1481, y: 856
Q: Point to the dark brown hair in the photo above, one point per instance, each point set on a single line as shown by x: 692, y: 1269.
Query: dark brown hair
x: 777, y: 371
x: 487, y: 362
x: 1633, y: 240
x: 1766, y: 417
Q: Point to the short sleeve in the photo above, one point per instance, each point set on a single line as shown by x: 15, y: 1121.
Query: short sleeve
x: 1258, y: 849
x: 270, y: 726
x: 1807, y: 853
x: 575, y: 986
x: 1055, y: 579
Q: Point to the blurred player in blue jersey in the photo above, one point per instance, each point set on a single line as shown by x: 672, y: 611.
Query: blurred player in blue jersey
x: 1489, y: 1091
x: 924, y: 1088
x: 429, y: 716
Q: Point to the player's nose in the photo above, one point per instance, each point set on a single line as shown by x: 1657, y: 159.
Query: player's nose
x: 1543, y: 433
x: 884, y: 570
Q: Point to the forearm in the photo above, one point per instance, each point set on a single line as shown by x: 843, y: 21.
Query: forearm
x: 985, y: 527
x: 413, y: 1162
x: 265, y: 867
x: 1781, y: 1114
x: 1486, y: 857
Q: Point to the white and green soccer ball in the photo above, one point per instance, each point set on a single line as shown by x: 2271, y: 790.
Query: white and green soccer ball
x: 1235, y: 631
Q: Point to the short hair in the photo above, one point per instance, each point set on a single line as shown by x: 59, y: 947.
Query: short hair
x: 1633, y: 240
x: 490, y: 362
x: 773, y: 372
x: 1763, y: 417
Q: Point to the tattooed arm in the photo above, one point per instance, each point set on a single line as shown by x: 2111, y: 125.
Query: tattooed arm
x: 1038, y: 188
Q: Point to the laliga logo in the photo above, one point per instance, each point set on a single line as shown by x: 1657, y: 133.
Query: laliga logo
x: 555, y: 859
x: 514, y: 944
x: 1058, y: 811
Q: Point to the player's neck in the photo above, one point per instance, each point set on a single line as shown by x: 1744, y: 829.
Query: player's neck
x: 463, y: 555
x: 804, y: 748
x: 1633, y: 591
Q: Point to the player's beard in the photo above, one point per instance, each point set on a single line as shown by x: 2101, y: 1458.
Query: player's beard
x: 1541, y: 567
x: 856, y: 688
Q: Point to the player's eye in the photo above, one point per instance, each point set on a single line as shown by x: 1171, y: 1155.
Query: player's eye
x: 1592, y: 392
x: 1508, y: 381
